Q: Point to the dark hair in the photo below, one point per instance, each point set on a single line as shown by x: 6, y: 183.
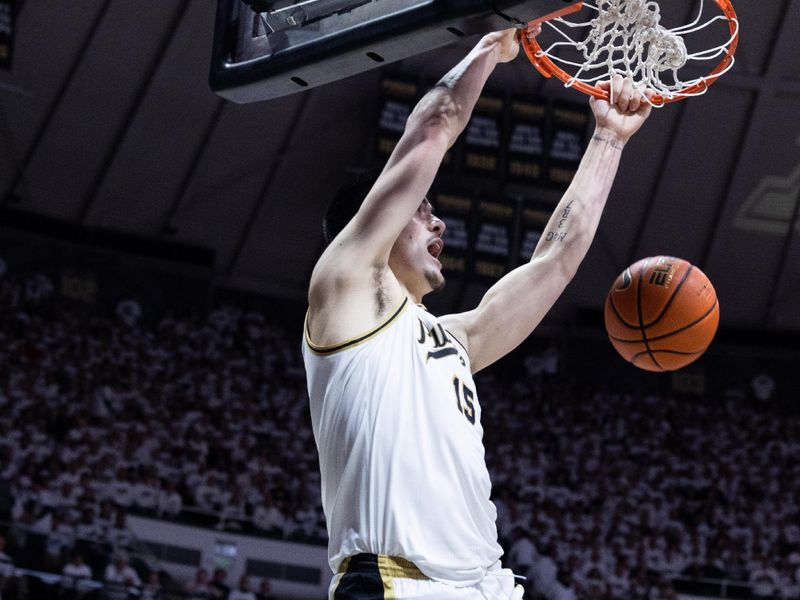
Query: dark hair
x: 345, y: 204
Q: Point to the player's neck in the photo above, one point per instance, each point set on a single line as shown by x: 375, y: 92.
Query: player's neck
x: 416, y: 298
x: 414, y: 290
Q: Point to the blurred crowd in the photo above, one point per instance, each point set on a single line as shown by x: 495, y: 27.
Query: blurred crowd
x: 204, y: 421
x: 600, y: 493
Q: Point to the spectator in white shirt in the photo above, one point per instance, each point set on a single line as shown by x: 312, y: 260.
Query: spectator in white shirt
x: 544, y: 573
x: 170, y: 502
x: 764, y: 579
x: 243, y: 592
x: 152, y: 589
x: 120, y: 491
x: 119, y: 535
x: 60, y: 538
x: 207, y: 494
x: 88, y: 528
x: 619, y: 580
x: 120, y: 572
x: 200, y: 586
x: 269, y: 519
x: 145, y: 494
x: 75, y: 574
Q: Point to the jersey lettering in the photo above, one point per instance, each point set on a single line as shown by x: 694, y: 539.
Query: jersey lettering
x: 436, y: 333
x: 463, y: 392
x: 442, y: 345
x: 441, y: 353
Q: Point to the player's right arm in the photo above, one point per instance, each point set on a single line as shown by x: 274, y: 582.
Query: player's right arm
x: 354, y: 267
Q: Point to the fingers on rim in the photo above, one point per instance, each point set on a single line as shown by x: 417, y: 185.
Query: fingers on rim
x: 604, y: 85
x: 622, y: 91
x: 627, y: 85
x: 642, y: 97
x: 617, y: 82
x: 625, y: 95
x: 533, y: 30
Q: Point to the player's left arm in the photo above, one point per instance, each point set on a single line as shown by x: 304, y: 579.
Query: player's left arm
x: 514, y: 306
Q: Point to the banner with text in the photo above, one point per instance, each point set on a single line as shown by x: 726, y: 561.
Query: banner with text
x: 568, y: 121
x: 526, y: 141
x: 398, y: 99
x: 534, y: 215
x: 482, y: 141
x: 494, y: 233
x: 455, y: 210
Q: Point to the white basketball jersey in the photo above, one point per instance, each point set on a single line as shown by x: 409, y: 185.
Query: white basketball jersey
x: 397, y: 425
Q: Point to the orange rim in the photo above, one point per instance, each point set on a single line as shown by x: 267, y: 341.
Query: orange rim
x: 558, y: 13
x: 548, y: 68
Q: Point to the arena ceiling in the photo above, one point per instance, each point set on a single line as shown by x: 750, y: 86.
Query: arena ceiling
x: 107, y: 120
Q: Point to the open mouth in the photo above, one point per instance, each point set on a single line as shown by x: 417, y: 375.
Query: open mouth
x: 435, y: 247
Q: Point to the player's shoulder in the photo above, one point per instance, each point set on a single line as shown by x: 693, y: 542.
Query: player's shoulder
x: 344, y: 310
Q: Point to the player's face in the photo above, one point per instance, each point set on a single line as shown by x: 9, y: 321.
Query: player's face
x: 414, y: 258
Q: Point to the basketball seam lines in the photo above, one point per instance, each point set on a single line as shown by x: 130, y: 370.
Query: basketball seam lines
x: 673, y: 332
x: 641, y: 322
x: 672, y: 297
x: 619, y: 316
x: 638, y: 354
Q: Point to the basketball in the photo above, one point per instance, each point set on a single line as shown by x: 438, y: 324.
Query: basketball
x: 661, y: 313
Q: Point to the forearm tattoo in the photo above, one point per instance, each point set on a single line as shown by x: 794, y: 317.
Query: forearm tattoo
x: 561, y: 232
x: 614, y: 144
x: 556, y: 236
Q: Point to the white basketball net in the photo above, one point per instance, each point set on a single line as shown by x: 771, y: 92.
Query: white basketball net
x: 626, y: 37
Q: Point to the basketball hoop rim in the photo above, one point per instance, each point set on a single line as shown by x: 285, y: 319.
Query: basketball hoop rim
x: 548, y: 68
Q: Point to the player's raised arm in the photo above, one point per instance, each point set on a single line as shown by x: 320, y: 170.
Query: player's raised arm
x: 515, y: 305
x: 431, y: 129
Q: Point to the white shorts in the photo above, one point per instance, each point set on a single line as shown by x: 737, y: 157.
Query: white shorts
x: 381, y: 577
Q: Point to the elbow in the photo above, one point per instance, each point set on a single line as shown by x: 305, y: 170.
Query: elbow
x: 436, y: 117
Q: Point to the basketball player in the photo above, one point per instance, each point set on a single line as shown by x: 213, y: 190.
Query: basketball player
x: 394, y: 409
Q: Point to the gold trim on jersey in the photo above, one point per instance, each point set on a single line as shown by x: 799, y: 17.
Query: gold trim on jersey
x: 395, y: 566
x: 326, y: 350
x: 387, y: 578
x: 344, y: 564
x: 342, y: 570
x: 389, y: 567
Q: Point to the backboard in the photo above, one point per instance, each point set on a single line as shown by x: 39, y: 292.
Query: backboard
x: 265, y: 49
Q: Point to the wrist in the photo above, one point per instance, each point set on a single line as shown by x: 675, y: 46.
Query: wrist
x: 609, y: 136
x: 503, y: 45
x: 490, y: 43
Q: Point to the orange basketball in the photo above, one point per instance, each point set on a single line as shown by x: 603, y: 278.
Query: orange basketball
x: 661, y: 313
